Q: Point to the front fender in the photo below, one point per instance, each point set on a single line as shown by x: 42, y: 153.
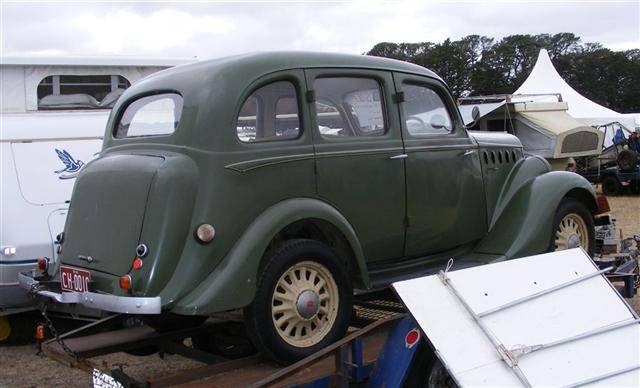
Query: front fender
x: 232, y: 284
x: 525, y: 224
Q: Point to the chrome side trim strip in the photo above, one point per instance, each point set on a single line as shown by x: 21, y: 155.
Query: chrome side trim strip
x: 263, y: 162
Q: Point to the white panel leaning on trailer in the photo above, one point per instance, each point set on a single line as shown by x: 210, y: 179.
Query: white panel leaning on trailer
x: 544, y: 320
x: 53, y: 113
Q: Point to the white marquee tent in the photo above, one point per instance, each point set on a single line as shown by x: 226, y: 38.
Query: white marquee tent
x: 544, y: 79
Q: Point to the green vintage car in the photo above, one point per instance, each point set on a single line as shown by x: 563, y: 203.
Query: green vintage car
x: 281, y: 182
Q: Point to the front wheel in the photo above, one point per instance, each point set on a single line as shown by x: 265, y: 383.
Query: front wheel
x: 573, y: 227
x: 303, y: 301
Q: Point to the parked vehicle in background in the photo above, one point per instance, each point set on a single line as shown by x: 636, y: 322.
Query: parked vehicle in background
x: 54, y: 112
x: 544, y: 128
x: 281, y: 182
x: 617, y: 167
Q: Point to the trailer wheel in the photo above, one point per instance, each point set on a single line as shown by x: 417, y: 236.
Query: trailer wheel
x: 302, y: 303
x: 572, y: 227
x: 611, y: 186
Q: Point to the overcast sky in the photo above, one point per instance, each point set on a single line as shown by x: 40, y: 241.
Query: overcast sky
x: 213, y: 29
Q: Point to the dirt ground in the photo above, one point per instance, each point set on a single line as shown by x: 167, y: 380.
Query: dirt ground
x: 20, y: 366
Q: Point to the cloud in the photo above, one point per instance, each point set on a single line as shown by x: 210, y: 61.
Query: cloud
x: 115, y: 31
x: 219, y: 29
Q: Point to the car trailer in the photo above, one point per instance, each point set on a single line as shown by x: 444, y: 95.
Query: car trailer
x: 380, y: 329
x: 389, y: 339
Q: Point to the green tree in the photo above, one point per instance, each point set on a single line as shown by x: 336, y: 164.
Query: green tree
x: 479, y: 65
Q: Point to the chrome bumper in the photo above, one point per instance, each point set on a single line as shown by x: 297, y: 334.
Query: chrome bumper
x: 105, y: 302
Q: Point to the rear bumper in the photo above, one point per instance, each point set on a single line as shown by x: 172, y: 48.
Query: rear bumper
x: 105, y: 302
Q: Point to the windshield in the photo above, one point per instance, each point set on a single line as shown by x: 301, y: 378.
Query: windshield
x: 151, y: 116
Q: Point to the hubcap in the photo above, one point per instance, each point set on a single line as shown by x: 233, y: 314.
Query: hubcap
x: 307, y: 304
x: 572, y: 233
x: 304, y: 305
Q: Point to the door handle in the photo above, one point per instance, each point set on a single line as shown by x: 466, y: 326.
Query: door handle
x: 401, y: 156
x: 468, y: 152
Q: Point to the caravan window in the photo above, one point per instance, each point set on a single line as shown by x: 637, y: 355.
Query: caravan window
x: 80, y: 91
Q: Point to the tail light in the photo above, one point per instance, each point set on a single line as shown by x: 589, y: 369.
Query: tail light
x: 125, y: 282
x: 43, y: 263
x: 603, y: 205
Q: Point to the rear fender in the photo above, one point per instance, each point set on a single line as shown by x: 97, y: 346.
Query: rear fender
x: 524, y: 224
x: 233, y: 282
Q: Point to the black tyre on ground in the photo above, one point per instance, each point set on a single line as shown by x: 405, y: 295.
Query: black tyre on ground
x: 611, y: 186
x: 303, y: 301
x: 572, y: 227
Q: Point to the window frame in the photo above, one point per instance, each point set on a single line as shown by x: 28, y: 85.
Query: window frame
x: 56, y: 86
x: 347, y: 116
x: 260, y: 107
x: 123, y: 108
x: 443, y: 98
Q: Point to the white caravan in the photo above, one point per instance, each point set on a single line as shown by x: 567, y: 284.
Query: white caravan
x: 52, y: 120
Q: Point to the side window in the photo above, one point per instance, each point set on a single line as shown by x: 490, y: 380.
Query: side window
x: 80, y: 91
x: 424, y: 111
x: 269, y: 113
x: 348, y: 106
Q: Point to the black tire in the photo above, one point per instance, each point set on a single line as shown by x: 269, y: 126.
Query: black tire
x: 627, y: 160
x: 427, y: 371
x: 611, y: 186
x: 258, y: 316
x: 229, y: 340
x: 571, y: 206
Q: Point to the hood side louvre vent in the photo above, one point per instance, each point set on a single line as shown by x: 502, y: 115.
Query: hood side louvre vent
x: 499, y: 157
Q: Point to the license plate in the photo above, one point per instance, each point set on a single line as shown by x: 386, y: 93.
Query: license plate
x: 73, y: 279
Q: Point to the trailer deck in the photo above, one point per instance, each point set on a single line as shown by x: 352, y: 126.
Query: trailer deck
x: 349, y: 359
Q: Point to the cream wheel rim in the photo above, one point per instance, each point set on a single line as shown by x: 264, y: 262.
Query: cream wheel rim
x: 304, y: 305
x: 572, y: 233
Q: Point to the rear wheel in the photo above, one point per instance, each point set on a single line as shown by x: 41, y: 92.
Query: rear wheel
x: 303, y: 301
x: 573, y: 227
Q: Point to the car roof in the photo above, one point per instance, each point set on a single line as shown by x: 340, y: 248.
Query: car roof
x: 261, y: 63
x: 281, y: 60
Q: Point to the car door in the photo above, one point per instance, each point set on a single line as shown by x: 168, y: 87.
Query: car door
x: 445, y: 192
x: 357, y: 141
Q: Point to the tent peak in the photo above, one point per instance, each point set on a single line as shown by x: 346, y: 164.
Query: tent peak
x: 545, y: 79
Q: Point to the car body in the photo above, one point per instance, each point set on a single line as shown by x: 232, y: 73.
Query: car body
x: 258, y: 164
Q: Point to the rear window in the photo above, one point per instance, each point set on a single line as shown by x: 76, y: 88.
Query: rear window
x: 151, y: 116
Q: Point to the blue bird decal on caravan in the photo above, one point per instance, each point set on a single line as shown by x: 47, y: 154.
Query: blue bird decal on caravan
x: 72, y: 166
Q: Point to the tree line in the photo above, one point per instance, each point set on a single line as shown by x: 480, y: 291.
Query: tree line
x: 479, y: 65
